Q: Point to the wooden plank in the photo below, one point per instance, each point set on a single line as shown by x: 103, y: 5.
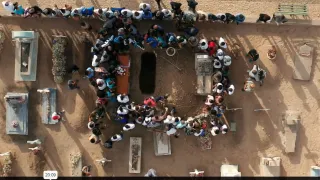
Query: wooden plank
x: 123, y: 81
x: 162, y: 145
x: 135, y: 150
x: 20, y: 115
x: 46, y: 116
x: 76, y: 164
x: 270, y: 166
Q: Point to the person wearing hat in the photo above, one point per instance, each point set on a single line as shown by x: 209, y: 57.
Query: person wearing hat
x: 239, y: 18
x: 248, y: 86
x: 226, y: 60
x: 209, y: 100
x: 117, y: 137
x: 253, y: 55
x: 167, y: 14
x: 218, y: 88
x: 130, y: 107
x: 222, y: 43
x: 193, y: 41
x: 264, y: 18
x: 220, y: 54
x: 230, y: 89
x: 122, y: 110
x: 129, y: 126
x: 108, y: 144
x: 123, y: 98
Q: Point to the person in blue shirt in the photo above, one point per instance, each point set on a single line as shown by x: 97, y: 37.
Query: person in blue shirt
x: 147, y: 15
x: 110, y: 83
x: 239, y: 18
x: 191, y: 31
x: 172, y: 39
x: 162, y: 42
x: 152, y: 42
x: 89, y: 73
x: 18, y: 10
x: 87, y: 12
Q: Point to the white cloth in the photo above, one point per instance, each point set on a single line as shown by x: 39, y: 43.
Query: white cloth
x: 147, y: 121
x: 200, y: 13
x: 216, y: 90
x: 219, y: 16
x: 231, y: 89
x: 167, y: 13
x: 139, y: 17
x: 255, y: 76
x: 171, y: 131
x: 10, y: 6
x: 103, y: 86
x: 214, y: 128
x: 139, y: 122
x: 217, y: 64
x: 129, y: 12
x: 223, y: 128
x: 221, y: 41
x: 123, y: 112
x: 130, y: 126
x: 131, y: 108
x: 124, y: 100
x: 220, y: 54
x: 95, y: 63
x: 205, y: 46
x: 169, y: 120
x: 148, y: 7
x: 208, y: 100
x: 116, y: 138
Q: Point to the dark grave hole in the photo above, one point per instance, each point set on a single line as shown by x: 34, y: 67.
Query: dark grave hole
x: 147, y: 76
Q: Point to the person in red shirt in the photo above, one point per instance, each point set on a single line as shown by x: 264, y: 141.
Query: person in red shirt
x: 212, y: 48
x: 150, y: 101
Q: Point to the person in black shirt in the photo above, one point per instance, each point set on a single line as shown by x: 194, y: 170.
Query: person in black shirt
x: 49, y: 12
x: 264, y: 18
x: 253, y: 55
x: 176, y: 8
x: 192, y: 5
x: 158, y: 15
x: 230, y: 18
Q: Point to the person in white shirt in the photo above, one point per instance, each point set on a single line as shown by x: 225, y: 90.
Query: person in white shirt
x: 109, y: 14
x: 215, y: 130
x: 122, y: 98
x: 227, y: 60
x: 218, y: 88
x: 144, y: 6
x: 77, y: 11
x: 220, y: 54
x: 203, y: 44
x: 122, y: 111
x: 209, y: 101
x: 171, y: 130
x: 101, y: 84
x: 221, y: 17
x: 7, y: 5
x: 128, y: 126
x: 222, y: 43
x: 100, y: 13
x: 95, y: 61
x: 224, y: 129
x: 169, y: 120
x: 231, y: 89
x: 137, y: 15
x: 130, y: 107
x: 91, y: 125
x: 117, y: 137
x: 202, y: 16
x: 167, y: 14
x: 126, y: 12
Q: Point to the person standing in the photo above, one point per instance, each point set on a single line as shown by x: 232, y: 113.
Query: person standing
x: 192, y: 5
x: 158, y: 3
x: 253, y: 55
x: 264, y: 18
x: 279, y: 18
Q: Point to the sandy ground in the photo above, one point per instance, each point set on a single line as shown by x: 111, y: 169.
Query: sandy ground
x: 258, y: 132
x: 250, y: 8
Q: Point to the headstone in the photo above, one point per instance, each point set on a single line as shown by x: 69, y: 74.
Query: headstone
x: 303, y: 63
x: 291, y: 125
x: 162, y: 144
x: 135, y: 155
x: 48, y: 105
x: 270, y: 166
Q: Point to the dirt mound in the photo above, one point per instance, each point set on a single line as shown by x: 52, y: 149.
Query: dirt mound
x: 36, y: 163
x: 79, y: 121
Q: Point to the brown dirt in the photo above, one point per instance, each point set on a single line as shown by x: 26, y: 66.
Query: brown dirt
x: 258, y: 133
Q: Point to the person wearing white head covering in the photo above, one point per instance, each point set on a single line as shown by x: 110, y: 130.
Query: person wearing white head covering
x: 231, y: 89
x: 203, y: 44
x: 7, y: 5
x: 147, y: 121
x: 144, y: 6
x: 222, y: 43
x: 215, y: 130
x: 122, y: 98
x: 128, y: 126
x: 117, y: 137
x: 227, y: 60
x: 91, y: 125
x: 221, y: 17
x: 137, y: 15
x: 218, y: 88
x: 122, y: 111
x: 101, y: 84
x: 217, y: 64
x: 169, y: 120
x: 126, y: 12
x: 130, y: 107
x: 209, y: 101
x: 220, y: 54
x: 167, y: 14
x: 95, y: 61
x: 224, y: 129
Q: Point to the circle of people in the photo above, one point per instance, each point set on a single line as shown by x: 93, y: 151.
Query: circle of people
x: 115, y: 37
